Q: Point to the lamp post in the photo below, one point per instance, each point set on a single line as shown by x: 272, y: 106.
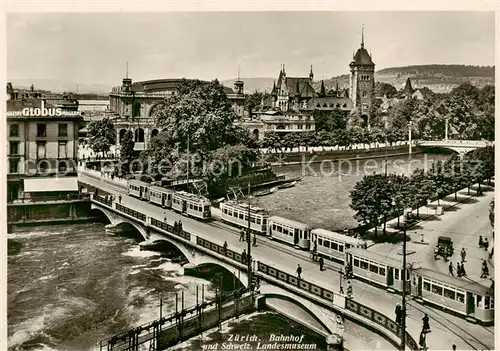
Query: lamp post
x: 249, y: 245
x: 403, y: 272
x: 409, y: 138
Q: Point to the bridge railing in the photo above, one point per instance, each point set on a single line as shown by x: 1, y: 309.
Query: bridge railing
x: 322, y: 293
x: 103, y: 200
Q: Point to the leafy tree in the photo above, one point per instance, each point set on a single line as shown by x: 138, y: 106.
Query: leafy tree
x: 102, y: 134
x: 385, y: 89
x: 399, y: 191
x: 330, y: 120
x: 253, y: 101
x: 439, y: 180
x: 127, y: 151
x: 421, y: 190
x: 272, y: 141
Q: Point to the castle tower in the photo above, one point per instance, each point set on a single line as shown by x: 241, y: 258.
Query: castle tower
x: 311, y: 74
x: 238, y: 84
x: 408, y: 90
x: 362, y: 80
x: 126, y: 83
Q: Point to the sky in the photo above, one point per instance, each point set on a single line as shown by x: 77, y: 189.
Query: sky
x: 93, y: 48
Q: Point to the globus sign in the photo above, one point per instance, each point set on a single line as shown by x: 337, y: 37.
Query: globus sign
x: 41, y: 111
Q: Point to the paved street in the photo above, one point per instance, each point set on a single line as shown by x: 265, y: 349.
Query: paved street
x: 447, y: 329
x: 463, y: 223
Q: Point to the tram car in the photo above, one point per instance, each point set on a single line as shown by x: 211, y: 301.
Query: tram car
x: 192, y: 205
x: 160, y: 196
x: 292, y: 232
x: 333, y: 245
x: 237, y: 214
x: 138, y: 189
x: 463, y: 296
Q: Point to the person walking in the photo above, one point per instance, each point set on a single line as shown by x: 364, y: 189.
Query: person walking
x: 425, y: 324
x: 480, y: 241
x: 450, y: 268
x: 459, y: 270
x: 462, y: 269
x: 454, y: 347
x: 486, y: 244
x: 225, y: 247
x: 254, y: 240
x: 299, y: 270
x: 244, y: 255
x: 321, y: 263
x: 463, y: 254
x: 398, y: 314
x: 180, y: 227
x: 484, y: 270
x: 242, y: 235
x: 120, y: 198
x: 421, y: 341
x: 349, y: 290
x: 176, y: 225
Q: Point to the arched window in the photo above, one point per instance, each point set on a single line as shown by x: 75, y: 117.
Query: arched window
x: 122, y: 134
x: 365, y: 94
x: 255, y: 134
x: 154, y: 133
x: 136, y: 110
x: 139, y: 135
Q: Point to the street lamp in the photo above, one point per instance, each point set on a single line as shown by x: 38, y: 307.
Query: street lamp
x: 403, y: 272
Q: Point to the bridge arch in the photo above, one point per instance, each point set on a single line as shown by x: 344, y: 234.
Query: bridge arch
x: 116, y: 221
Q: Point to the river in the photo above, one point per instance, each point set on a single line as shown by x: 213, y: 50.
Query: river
x: 71, y: 286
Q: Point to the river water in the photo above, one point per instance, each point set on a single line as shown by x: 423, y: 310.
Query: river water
x: 71, y: 286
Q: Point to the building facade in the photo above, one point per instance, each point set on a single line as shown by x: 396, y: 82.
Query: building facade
x: 42, y: 148
x: 134, y: 105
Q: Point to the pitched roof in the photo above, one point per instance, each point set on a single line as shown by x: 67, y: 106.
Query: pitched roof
x: 302, y: 84
x: 363, y: 58
x: 329, y: 103
x: 408, y: 90
x: 164, y: 84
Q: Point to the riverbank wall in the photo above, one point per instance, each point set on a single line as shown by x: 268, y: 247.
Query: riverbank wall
x: 49, y: 212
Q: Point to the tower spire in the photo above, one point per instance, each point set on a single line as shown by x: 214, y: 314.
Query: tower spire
x: 126, y: 71
x: 311, y: 75
x: 362, y: 36
x: 238, y: 72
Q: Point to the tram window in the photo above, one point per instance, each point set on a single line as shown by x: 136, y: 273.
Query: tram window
x: 230, y: 213
x: 246, y: 218
x: 320, y: 241
x: 449, y: 294
x: 341, y: 248
x: 364, y: 265
x: 478, y: 300
x: 381, y: 271
x: 306, y: 234
x: 335, y: 246
x: 240, y: 215
x: 460, y: 297
x: 491, y: 303
x: 427, y: 286
x: 396, y: 273
x: 225, y: 211
x: 280, y: 230
x: 326, y: 244
x: 486, y: 302
x: 257, y: 220
x: 264, y: 221
x: 437, y: 290
x: 373, y: 269
x: 274, y: 226
x: 356, y: 262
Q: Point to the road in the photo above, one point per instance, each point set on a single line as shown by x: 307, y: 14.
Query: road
x: 448, y: 329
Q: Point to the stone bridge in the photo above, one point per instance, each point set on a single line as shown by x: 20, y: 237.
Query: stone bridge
x: 309, y: 304
x: 461, y: 147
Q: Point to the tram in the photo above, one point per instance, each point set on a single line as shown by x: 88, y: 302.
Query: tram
x: 236, y: 214
x: 161, y: 196
x: 292, y: 232
x: 463, y: 296
x: 333, y: 245
x: 192, y: 205
x: 138, y: 189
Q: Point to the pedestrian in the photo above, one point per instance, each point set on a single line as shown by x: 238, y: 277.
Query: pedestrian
x: 480, y: 241
x: 242, y: 235
x: 120, y: 198
x: 398, y: 314
x: 453, y: 347
x: 225, y: 247
x: 450, y: 268
x: 176, y: 225
x: 462, y: 269
x: 112, y: 176
x: 254, y: 240
x: 425, y: 324
x: 165, y: 219
x: 299, y: 270
x: 244, y: 255
x: 486, y: 244
x: 463, y: 254
x: 491, y: 252
x: 349, y: 290
x: 180, y: 227
x: 459, y: 270
x: 484, y: 270
x: 321, y: 263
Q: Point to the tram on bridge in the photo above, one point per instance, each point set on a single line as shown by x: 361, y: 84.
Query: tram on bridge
x: 236, y: 214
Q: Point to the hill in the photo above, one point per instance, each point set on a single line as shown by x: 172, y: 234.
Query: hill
x: 59, y: 86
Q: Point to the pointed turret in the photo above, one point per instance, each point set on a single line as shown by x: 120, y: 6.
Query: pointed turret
x: 363, y: 36
x: 273, y: 92
x: 322, y: 91
x: 408, y: 90
x: 337, y: 90
x: 297, y: 89
x: 311, y: 74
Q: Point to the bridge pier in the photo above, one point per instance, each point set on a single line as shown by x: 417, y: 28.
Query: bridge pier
x: 110, y: 229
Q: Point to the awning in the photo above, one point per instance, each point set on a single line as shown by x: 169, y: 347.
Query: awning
x: 50, y: 184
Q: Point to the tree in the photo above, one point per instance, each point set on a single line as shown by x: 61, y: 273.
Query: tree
x: 421, y: 190
x: 330, y: 120
x: 385, y: 89
x: 102, y: 135
x: 127, y: 151
x: 439, y: 181
x: 253, y: 101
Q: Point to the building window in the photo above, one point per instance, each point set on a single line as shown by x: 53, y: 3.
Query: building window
x: 63, y: 130
x: 62, y: 167
x: 14, y: 148
x: 13, y: 166
x: 41, y: 130
x: 40, y: 147
x: 62, y: 150
x: 14, y: 130
x: 365, y: 94
x: 449, y: 294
